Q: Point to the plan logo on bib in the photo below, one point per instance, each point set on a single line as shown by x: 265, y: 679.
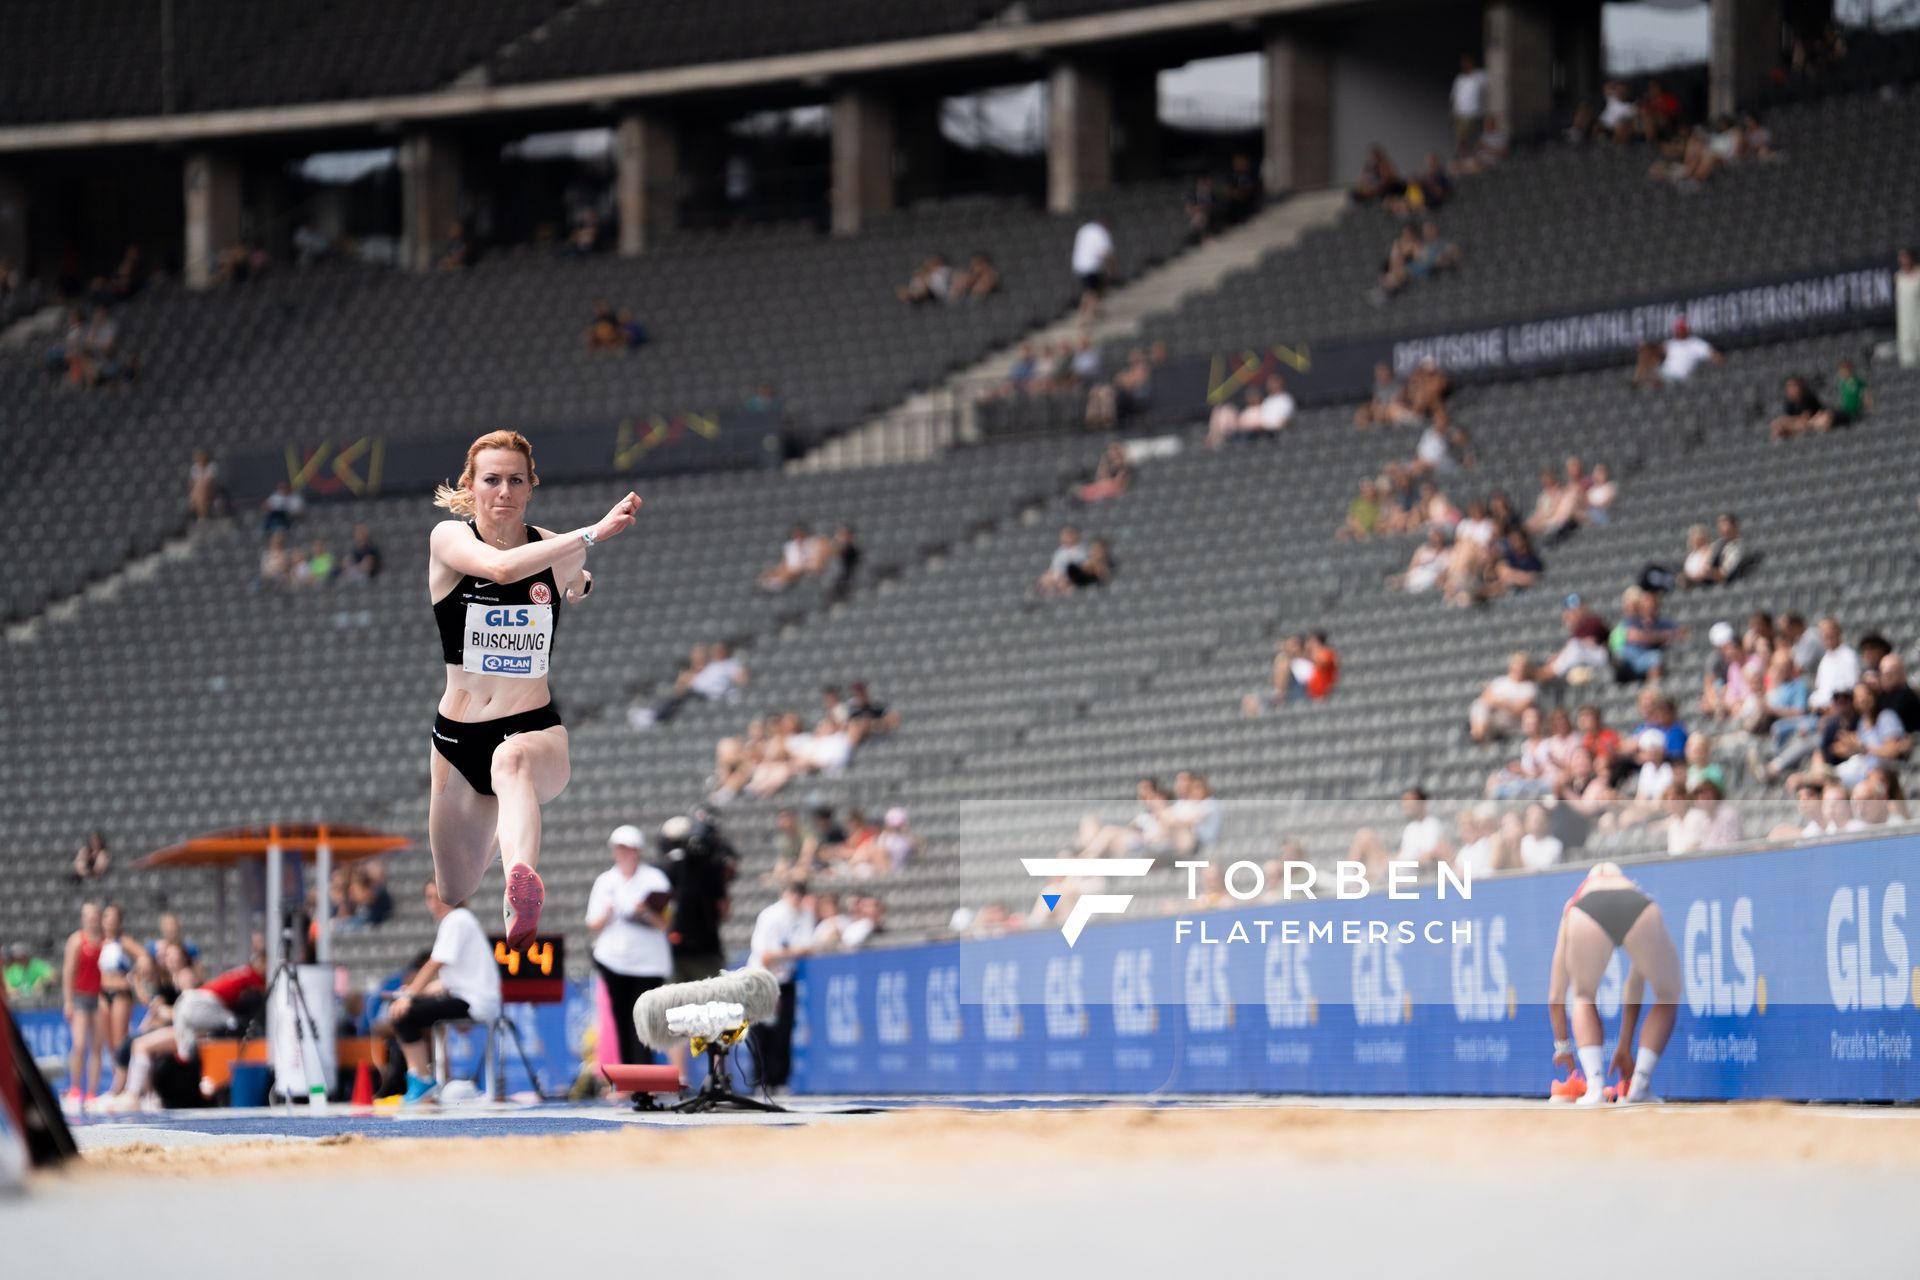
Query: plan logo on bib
x: 1087, y: 905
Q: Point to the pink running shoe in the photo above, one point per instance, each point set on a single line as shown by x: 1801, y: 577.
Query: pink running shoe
x: 526, y: 894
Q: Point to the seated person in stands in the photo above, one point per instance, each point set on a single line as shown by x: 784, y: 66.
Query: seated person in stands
x: 1585, y: 649
x: 979, y: 279
x: 1518, y: 566
x: 1802, y: 413
x: 932, y: 281
x: 1396, y: 270
x: 1643, y: 636
x: 1850, y: 390
x: 1492, y: 148
x: 867, y: 718
x: 1141, y: 834
x: 1601, y: 494
x: 1111, y: 478
x: 1306, y: 667
x: 843, y: 563
x: 1496, y: 712
x: 804, y: 555
x: 1242, y: 190
x: 603, y: 333
x: 1428, y: 565
x: 1378, y: 178
x: 1384, y: 407
x: 1269, y: 411
x: 1130, y: 391
x: 363, y: 558
x: 1654, y: 780
x: 1096, y: 570
x: 1202, y: 210
x: 1560, y: 507
x: 1618, y: 114
x: 1662, y: 364
x: 1363, y: 514
x: 1715, y: 560
x: 1068, y: 554
x: 1191, y: 824
x: 457, y: 255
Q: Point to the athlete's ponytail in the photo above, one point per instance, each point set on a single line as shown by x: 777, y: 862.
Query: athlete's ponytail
x: 458, y: 498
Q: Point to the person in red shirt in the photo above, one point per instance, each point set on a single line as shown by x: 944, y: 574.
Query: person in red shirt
x: 1326, y: 666
x: 201, y: 1011
x: 80, y: 987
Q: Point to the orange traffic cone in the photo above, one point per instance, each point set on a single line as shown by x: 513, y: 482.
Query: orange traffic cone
x: 362, y: 1086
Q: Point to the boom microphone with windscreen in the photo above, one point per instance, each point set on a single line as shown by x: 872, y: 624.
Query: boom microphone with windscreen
x: 756, y: 991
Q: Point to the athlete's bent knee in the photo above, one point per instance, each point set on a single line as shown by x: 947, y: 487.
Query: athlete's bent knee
x: 509, y: 762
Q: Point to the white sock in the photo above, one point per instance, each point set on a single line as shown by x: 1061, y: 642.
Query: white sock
x: 139, y: 1067
x: 1593, y: 1065
x: 1643, y: 1064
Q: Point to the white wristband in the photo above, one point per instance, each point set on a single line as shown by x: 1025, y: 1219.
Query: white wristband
x: 586, y: 538
x: 1562, y: 1046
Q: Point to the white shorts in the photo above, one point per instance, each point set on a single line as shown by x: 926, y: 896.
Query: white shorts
x: 197, y: 1014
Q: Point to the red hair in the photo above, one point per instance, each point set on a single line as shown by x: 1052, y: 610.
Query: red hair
x: 458, y: 498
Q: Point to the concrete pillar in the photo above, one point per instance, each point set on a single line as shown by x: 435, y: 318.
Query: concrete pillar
x: 212, y: 183
x: 1581, y: 55
x: 14, y: 245
x: 1519, y: 48
x: 862, y: 158
x: 1079, y: 135
x: 646, y: 160
x: 1136, y: 124
x: 1299, y: 114
x: 920, y: 147
x: 1743, y: 46
x: 430, y: 197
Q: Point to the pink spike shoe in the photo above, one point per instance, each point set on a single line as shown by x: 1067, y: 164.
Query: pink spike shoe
x: 526, y: 894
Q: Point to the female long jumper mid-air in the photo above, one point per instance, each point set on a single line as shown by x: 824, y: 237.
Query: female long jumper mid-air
x: 1608, y: 910
x: 500, y: 751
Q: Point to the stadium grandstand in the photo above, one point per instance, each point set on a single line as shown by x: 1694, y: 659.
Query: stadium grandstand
x: 1469, y: 453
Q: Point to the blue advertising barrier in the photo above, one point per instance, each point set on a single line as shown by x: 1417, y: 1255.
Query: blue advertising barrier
x: 1798, y: 983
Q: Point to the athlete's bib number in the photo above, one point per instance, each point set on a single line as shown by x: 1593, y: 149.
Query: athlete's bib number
x: 508, y: 640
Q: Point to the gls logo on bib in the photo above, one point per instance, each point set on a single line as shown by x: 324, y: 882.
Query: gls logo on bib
x: 511, y: 640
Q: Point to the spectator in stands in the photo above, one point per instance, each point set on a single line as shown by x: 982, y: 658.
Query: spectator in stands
x: 1395, y: 267
x: 1496, y: 713
x: 363, y: 557
x: 1661, y: 364
x: 98, y: 359
x: 1469, y: 99
x: 1851, y: 391
x: 1584, y: 652
x: 1709, y: 822
x: 1581, y: 794
x: 1069, y: 554
x: 171, y: 933
x: 1895, y: 691
x: 1242, y: 191
x: 1809, y: 822
x: 1383, y: 407
x: 1092, y: 266
x: 28, y: 976
x: 1269, y: 410
x: 1659, y: 713
x: 898, y: 843
x: 1191, y: 824
x: 1655, y: 780
x: 1378, y: 179
x: 1619, y: 113
x: 1518, y: 566
x: 584, y: 239
x: 803, y: 555
x: 1423, y: 839
x: 1601, y: 495
x: 629, y: 915
x: 1112, y: 477
x: 1730, y: 688
x: 1881, y: 739
x: 866, y: 716
x: 1724, y: 557
x: 1130, y: 391
x: 931, y: 281
x: 1490, y: 150
x: 93, y: 860
x: 1559, y: 509
x: 1427, y: 566
x: 1643, y: 636
x: 457, y: 254
x: 1363, y: 514
x: 61, y: 356
x: 203, y: 485
x: 1431, y: 256
x: 369, y: 902
x: 1906, y: 310
x: 1099, y: 839
x: 1084, y: 366
x: 1837, y: 669
x: 1802, y: 413
x: 317, y: 569
x: 1203, y: 212
x: 1441, y: 449
x: 1659, y: 112
x: 280, y: 509
x: 1543, y: 755
x: 603, y: 332
x: 975, y: 282
x: 1701, y: 766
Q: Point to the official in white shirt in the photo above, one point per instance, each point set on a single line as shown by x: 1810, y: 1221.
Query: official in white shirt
x: 626, y: 914
x: 1092, y: 263
x: 460, y: 980
x: 781, y: 933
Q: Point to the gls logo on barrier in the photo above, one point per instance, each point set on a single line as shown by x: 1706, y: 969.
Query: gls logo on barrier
x: 1718, y: 962
x: 1087, y: 905
x: 1856, y: 974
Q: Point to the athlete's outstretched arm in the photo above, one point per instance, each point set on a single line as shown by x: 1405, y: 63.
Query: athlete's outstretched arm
x: 1630, y: 1001
x: 455, y: 546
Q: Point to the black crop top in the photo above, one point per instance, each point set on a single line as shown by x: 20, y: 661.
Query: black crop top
x: 509, y: 626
